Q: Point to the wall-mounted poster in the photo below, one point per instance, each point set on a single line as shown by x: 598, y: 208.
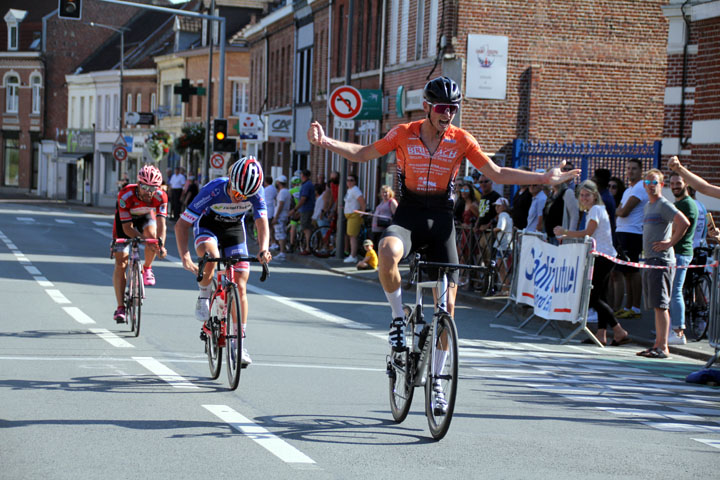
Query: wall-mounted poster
x: 486, y: 67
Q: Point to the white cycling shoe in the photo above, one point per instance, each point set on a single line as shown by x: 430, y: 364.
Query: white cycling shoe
x: 202, y: 309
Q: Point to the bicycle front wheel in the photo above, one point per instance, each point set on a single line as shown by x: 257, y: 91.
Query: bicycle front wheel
x: 233, y: 337
x: 129, y: 297
x: 400, y: 369
x: 137, y: 298
x: 442, y: 377
x: 322, y: 242
x: 212, y: 336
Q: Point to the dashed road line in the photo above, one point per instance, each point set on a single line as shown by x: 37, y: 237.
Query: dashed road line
x: 111, y: 338
x: 263, y: 437
x: 165, y: 373
x: 78, y: 315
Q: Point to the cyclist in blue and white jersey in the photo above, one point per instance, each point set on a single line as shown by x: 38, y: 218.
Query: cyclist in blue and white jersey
x: 216, y: 216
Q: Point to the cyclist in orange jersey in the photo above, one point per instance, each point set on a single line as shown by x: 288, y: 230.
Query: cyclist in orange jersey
x: 429, y: 154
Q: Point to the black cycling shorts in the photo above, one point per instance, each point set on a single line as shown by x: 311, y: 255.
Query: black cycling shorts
x: 430, y: 228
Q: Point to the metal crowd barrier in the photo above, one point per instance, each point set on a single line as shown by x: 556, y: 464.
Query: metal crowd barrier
x: 584, y: 291
x: 477, y: 247
x: 713, y: 331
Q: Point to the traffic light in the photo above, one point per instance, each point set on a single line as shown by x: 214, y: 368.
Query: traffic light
x: 221, y: 143
x: 70, y: 9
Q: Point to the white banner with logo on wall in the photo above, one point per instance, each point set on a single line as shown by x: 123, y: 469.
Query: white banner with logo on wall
x: 487, y: 57
x: 550, y: 278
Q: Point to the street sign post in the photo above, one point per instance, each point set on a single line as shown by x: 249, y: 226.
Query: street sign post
x: 345, y: 102
x: 217, y: 160
x: 120, y: 153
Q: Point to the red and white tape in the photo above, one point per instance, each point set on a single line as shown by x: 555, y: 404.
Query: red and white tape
x: 642, y: 265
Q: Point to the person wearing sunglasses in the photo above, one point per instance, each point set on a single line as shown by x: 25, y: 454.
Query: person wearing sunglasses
x: 699, y: 184
x: 141, y: 211
x: 663, y: 226
x: 429, y: 153
x: 217, y: 217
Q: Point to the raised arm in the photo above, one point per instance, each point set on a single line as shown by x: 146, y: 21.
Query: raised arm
x: 352, y: 151
x: 695, y: 181
x: 513, y: 176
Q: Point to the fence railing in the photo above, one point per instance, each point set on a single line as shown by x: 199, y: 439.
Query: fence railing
x: 488, y: 249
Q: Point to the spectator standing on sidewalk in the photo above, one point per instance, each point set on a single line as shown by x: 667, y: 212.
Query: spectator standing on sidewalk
x: 353, y: 200
x: 534, y: 218
x: 270, y: 194
x: 282, y: 212
x: 176, y: 182
x: 702, y: 221
x: 697, y: 183
x: 305, y: 206
x: 383, y: 212
x: 683, y: 257
x: 597, y: 226
x: 663, y: 226
x: 629, y: 233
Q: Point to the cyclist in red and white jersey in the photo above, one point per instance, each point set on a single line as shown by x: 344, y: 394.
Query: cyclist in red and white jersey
x: 429, y: 154
x: 140, y: 211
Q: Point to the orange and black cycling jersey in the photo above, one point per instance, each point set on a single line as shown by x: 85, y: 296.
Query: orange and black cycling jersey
x: 425, y: 179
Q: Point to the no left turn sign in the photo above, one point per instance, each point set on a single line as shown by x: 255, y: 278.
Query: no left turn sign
x: 217, y: 160
x: 345, y: 102
x: 120, y: 153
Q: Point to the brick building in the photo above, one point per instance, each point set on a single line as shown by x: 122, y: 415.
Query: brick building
x: 580, y: 71
x: 692, y: 92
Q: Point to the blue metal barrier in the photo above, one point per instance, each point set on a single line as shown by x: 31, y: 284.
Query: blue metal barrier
x: 586, y: 156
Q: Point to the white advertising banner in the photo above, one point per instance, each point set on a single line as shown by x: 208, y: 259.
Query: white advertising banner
x: 487, y: 57
x: 549, y: 278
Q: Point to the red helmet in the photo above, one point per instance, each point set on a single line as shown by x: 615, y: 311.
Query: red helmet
x: 150, y: 175
x: 246, y: 176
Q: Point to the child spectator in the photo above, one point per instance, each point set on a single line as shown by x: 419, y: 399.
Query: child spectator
x: 370, y: 262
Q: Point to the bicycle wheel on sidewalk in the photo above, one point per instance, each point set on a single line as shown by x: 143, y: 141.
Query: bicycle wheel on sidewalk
x: 322, y: 242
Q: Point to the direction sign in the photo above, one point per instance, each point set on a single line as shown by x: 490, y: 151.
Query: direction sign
x: 345, y: 102
x: 120, y: 153
x: 217, y: 160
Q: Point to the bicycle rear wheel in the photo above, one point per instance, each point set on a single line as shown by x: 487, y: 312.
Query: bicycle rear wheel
x: 322, y: 242
x: 698, y: 315
x: 447, y: 376
x: 137, y: 298
x: 213, y: 350
x: 400, y: 370
x: 233, y: 337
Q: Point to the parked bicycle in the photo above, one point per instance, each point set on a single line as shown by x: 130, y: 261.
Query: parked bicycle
x: 419, y: 365
x: 134, y: 286
x: 696, y: 292
x: 322, y: 239
x: 223, y: 328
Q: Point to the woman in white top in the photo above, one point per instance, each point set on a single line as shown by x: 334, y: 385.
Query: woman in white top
x: 598, y: 227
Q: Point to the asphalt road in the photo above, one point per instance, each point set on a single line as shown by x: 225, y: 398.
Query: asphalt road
x: 81, y: 398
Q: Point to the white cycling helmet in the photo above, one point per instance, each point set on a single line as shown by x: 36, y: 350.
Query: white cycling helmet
x: 246, y: 176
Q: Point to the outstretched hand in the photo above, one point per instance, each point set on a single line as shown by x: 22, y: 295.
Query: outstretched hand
x: 556, y: 175
x: 315, y: 133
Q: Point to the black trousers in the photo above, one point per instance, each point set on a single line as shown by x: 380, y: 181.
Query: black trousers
x: 598, y: 295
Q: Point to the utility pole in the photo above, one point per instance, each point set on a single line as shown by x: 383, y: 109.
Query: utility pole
x: 205, y: 163
x: 340, y: 236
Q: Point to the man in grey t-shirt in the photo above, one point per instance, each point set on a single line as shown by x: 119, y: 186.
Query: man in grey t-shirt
x: 663, y: 226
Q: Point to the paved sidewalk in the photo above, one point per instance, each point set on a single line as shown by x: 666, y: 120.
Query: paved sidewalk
x: 639, y: 329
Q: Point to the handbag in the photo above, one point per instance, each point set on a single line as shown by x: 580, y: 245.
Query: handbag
x: 384, y: 222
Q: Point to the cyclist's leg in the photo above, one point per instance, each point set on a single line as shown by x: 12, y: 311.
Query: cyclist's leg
x: 149, y: 231
x: 443, y: 248
x: 121, y: 253
x: 205, y: 242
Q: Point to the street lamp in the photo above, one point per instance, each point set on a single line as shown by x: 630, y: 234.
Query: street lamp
x: 121, y: 31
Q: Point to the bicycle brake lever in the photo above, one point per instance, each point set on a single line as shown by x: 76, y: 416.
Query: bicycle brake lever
x: 265, y: 272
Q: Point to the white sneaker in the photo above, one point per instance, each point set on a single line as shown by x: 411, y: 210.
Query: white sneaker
x: 350, y: 259
x: 245, y: 359
x: 202, y: 309
x: 274, y: 246
x: 280, y: 256
x: 675, y: 339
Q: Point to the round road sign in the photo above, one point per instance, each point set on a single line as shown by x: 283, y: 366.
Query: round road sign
x: 119, y: 153
x: 345, y: 102
x: 217, y: 160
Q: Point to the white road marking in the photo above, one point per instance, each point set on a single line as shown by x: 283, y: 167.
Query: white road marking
x: 328, y: 317
x: 57, y: 295
x: 32, y: 270
x: 708, y: 441
x: 64, y: 220
x: 273, y: 444
x: 111, y: 338
x: 44, y: 282
x: 78, y: 315
x: 103, y: 224
x: 26, y: 219
x: 165, y: 373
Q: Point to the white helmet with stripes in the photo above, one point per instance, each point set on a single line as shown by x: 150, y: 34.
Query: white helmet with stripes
x: 246, y: 176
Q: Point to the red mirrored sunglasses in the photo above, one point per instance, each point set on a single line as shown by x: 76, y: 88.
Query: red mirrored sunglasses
x: 441, y: 108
